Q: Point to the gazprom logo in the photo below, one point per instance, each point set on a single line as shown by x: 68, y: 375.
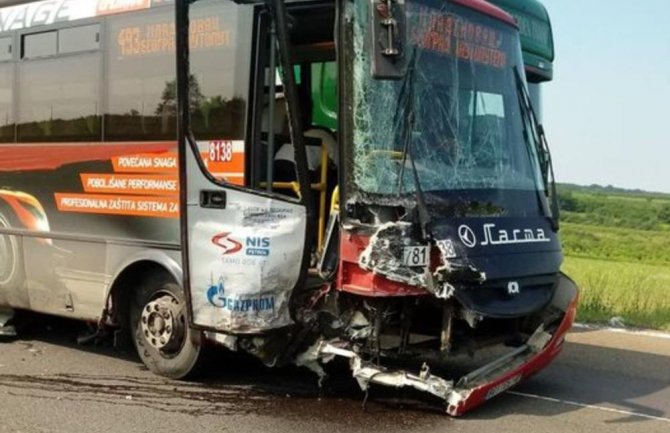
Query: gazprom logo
x: 216, y: 294
x: 217, y: 297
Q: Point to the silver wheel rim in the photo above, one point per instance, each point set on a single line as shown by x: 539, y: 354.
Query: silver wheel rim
x: 162, y: 324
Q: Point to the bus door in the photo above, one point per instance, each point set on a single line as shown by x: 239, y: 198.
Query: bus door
x: 245, y: 254
x: 244, y: 249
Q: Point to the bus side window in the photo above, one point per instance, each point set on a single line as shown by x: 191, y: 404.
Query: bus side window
x: 59, y: 95
x: 220, y: 59
x: 7, y: 124
x: 314, y: 68
x: 141, y: 87
x: 40, y: 45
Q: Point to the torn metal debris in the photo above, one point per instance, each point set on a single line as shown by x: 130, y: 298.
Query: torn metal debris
x: 384, y: 256
x: 455, y: 395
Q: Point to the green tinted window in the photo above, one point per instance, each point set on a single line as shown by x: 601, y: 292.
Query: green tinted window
x: 324, y: 94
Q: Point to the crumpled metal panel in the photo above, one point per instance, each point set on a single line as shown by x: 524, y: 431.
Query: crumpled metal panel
x: 492, y: 379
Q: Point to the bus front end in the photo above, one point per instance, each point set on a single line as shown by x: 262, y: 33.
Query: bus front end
x: 449, y: 248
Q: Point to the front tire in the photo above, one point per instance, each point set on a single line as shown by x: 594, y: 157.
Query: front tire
x: 160, y: 331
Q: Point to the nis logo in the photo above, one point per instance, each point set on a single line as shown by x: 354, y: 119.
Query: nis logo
x: 252, y: 245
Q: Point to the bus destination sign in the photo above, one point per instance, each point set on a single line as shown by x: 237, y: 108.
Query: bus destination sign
x: 449, y: 34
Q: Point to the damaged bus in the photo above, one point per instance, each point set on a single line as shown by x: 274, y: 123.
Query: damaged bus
x: 309, y: 180
x: 537, y: 44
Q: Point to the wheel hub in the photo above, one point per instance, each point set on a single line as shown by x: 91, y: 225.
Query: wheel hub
x: 161, y: 324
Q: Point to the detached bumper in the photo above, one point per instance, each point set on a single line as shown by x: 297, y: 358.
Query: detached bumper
x: 484, y: 383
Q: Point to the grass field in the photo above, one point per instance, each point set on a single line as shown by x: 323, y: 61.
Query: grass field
x: 617, y: 247
x: 637, y: 292
x: 616, y: 243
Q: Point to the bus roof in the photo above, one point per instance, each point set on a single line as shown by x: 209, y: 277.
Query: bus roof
x: 488, y: 9
x: 6, y: 3
x: 19, y: 15
x: 537, y: 39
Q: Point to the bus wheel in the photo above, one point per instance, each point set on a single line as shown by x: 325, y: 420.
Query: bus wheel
x: 10, y: 259
x: 158, y: 323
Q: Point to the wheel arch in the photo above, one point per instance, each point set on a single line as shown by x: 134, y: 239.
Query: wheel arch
x: 133, y: 270
x: 12, y: 280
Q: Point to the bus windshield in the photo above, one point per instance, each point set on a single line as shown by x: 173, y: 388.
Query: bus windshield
x: 455, y: 118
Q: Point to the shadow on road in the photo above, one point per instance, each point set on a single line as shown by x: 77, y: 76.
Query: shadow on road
x: 234, y: 384
x: 241, y: 385
x: 592, y: 375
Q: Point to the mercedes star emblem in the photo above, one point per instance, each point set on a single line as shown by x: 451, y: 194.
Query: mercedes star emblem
x: 467, y: 236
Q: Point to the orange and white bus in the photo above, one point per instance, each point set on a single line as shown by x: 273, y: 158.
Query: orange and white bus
x: 163, y: 173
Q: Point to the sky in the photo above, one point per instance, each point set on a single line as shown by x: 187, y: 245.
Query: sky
x: 607, y: 111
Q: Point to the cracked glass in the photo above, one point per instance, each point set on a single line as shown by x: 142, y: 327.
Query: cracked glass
x: 455, y: 112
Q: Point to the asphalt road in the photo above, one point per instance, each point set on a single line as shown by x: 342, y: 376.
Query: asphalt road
x: 603, y: 382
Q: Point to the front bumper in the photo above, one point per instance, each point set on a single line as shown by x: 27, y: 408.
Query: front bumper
x: 482, y: 384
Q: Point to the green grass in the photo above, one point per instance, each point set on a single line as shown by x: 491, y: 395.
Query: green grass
x: 639, y: 293
x: 596, y: 206
x: 616, y: 243
x: 617, y: 247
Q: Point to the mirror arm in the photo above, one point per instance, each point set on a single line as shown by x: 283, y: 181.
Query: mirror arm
x: 387, y: 32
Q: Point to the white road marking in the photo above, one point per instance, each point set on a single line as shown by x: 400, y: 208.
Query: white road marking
x: 654, y: 334
x: 589, y: 406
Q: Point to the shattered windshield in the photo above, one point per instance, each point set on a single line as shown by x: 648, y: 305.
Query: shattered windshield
x: 467, y: 128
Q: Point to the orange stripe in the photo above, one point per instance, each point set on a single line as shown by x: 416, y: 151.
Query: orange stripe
x: 146, y: 163
x: 108, y: 7
x: 51, y: 156
x: 131, y: 184
x: 29, y: 220
x: 160, y: 207
x: 235, y: 165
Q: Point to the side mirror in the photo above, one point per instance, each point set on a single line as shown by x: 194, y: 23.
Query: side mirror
x: 543, y: 155
x: 388, y: 29
x: 555, y: 210
x: 548, y: 176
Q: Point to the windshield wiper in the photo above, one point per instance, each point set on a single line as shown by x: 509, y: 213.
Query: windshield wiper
x: 540, y: 143
x: 407, y: 107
